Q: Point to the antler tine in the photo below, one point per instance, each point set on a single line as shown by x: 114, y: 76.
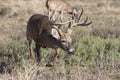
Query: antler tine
x: 83, y: 23
x: 56, y: 23
x: 69, y: 29
x: 80, y: 14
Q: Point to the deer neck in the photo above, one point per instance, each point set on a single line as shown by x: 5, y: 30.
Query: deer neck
x: 56, y: 43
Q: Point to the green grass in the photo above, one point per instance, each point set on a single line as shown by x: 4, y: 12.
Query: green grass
x: 97, y: 47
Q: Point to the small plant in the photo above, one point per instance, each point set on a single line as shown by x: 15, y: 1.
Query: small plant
x: 3, y: 10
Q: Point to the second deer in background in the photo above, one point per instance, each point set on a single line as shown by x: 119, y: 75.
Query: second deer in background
x: 60, y: 7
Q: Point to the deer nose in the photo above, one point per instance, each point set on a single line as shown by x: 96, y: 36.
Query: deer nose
x: 71, y: 51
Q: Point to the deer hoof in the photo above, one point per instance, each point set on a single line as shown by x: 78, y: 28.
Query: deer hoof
x: 49, y: 65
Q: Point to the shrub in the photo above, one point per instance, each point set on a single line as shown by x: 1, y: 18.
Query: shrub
x: 3, y: 10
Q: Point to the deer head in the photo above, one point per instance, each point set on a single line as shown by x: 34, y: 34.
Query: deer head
x: 65, y: 38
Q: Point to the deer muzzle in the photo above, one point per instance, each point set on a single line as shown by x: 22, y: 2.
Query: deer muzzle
x: 71, y: 51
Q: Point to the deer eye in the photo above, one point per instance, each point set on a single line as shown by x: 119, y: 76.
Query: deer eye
x: 63, y: 41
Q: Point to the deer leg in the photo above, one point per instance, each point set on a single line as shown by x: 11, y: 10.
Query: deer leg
x: 53, y: 59
x: 55, y: 56
x: 61, y: 16
x: 37, y: 51
x: 49, y: 14
x: 30, y: 47
x: 53, y: 15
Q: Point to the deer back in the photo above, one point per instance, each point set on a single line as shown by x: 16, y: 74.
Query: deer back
x: 60, y: 5
x: 37, y: 24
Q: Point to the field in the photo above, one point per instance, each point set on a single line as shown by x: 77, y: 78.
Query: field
x: 97, y: 46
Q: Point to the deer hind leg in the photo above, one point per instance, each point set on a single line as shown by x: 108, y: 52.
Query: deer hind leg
x: 30, y: 47
x: 38, y: 52
x: 51, y: 14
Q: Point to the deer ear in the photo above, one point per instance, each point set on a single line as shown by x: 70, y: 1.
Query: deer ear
x: 55, y: 33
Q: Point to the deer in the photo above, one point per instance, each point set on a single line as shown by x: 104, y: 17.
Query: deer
x: 39, y: 29
x: 61, y: 7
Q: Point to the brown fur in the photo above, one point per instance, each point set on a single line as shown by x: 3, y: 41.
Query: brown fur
x: 39, y: 29
x: 60, y: 7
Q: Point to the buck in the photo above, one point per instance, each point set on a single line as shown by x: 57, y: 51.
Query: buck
x: 39, y: 29
x: 61, y: 7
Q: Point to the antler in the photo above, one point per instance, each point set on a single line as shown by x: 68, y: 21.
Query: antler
x: 54, y: 21
x: 78, y: 23
x: 57, y: 23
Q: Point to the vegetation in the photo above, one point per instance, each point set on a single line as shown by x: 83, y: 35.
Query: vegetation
x: 97, y: 55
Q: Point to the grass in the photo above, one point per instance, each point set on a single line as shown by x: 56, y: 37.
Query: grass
x: 97, y: 55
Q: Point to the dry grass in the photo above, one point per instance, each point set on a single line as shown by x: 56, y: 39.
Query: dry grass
x: 97, y: 46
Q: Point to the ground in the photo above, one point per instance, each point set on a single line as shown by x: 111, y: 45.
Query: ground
x: 97, y: 55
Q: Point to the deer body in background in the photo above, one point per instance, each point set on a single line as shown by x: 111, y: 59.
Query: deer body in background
x: 39, y: 29
x: 60, y: 7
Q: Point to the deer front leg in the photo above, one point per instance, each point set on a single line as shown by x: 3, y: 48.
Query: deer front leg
x: 30, y: 49
x: 49, y: 14
x: 54, y: 58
